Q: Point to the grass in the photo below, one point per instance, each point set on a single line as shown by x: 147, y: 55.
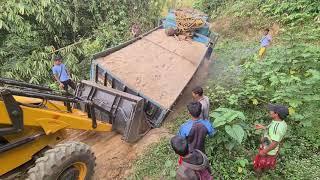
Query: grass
x: 159, y: 161
x: 176, y: 4
x: 229, y: 55
x: 299, y: 156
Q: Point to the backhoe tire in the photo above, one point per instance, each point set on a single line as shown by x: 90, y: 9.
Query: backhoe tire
x: 68, y: 161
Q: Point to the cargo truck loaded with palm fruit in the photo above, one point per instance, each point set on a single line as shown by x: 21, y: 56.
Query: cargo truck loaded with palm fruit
x: 131, y: 90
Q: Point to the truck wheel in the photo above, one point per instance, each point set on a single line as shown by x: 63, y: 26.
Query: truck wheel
x: 68, y: 161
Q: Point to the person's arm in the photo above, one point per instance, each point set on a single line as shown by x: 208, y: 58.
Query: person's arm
x: 210, y: 128
x: 260, y: 126
x: 58, y: 80
x: 184, y: 129
x: 270, y: 40
x: 212, y: 132
x: 272, y: 146
x: 205, y: 113
x: 56, y: 76
x: 67, y: 72
x: 65, y: 68
x: 182, y: 132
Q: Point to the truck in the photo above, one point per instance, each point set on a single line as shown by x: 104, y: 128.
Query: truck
x: 154, y: 67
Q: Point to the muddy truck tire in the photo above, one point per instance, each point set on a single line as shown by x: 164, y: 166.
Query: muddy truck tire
x: 67, y: 161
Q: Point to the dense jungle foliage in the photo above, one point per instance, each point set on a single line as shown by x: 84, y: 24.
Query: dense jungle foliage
x: 31, y: 30
x: 241, y: 86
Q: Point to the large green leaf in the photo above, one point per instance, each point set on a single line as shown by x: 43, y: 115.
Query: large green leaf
x: 225, y: 115
x: 236, y: 132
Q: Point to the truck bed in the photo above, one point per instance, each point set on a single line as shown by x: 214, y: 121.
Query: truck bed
x: 158, y: 66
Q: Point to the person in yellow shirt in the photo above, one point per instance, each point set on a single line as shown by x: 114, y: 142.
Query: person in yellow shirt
x: 264, y: 43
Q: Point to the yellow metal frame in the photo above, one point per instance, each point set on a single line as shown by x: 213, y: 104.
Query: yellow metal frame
x: 15, y: 157
x: 50, y: 119
x: 82, y: 168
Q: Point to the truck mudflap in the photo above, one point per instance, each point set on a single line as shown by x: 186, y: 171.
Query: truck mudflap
x: 124, y: 111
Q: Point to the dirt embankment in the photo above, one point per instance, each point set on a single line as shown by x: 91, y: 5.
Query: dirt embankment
x: 243, y: 28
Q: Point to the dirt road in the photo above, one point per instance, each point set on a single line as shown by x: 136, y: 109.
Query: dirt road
x: 115, y: 156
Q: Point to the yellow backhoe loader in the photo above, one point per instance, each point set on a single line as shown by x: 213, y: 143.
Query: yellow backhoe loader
x: 33, y: 121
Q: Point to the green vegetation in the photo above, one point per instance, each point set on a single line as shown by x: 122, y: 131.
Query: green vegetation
x: 30, y: 29
x: 241, y: 85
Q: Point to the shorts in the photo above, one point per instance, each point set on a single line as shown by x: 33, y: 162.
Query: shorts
x: 264, y: 162
x: 262, y: 51
x: 67, y: 83
x: 180, y: 160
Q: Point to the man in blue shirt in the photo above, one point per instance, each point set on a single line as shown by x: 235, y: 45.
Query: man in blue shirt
x: 196, y: 129
x: 61, y: 74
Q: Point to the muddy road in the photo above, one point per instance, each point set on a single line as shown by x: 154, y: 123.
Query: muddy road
x: 115, y: 156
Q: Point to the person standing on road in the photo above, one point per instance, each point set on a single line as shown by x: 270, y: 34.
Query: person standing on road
x: 273, y: 135
x: 197, y: 94
x: 264, y: 43
x: 61, y: 74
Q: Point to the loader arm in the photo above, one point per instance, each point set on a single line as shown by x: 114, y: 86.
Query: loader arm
x: 51, y: 117
x: 51, y: 121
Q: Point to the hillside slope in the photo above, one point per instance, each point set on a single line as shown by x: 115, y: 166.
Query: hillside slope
x: 240, y: 82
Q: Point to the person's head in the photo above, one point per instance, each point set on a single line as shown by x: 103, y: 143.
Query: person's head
x: 170, y: 31
x: 197, y: 92
x: 179, y: 145
x: 266, y: 31
x: 277, y: 111
x: 194, y: 109
x: 57, y: 59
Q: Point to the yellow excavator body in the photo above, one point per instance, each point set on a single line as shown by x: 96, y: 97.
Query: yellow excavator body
x: 47, y: 123
x: 34, y: 122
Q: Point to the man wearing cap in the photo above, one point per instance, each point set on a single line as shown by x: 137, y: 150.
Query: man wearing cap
x: 273, y: 135
x: 61, y: 74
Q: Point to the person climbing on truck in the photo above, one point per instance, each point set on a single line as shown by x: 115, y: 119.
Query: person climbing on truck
x: 273, y: 135
x: 61, y: 74
x: 197, y: 94
x: 196, y: 129
x: 264, y: 43
x: 195, y: 164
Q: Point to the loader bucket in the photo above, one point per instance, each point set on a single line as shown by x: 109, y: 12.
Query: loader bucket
x: 124, y: 111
